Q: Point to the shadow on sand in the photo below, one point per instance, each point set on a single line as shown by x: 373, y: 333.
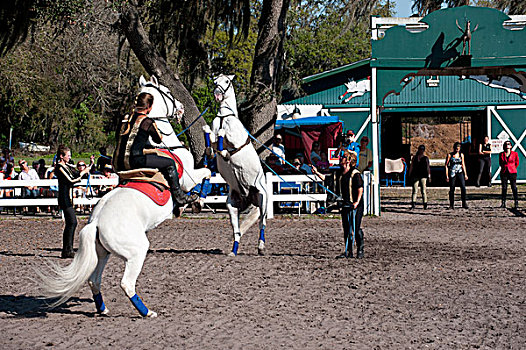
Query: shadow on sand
x: 32, y: 307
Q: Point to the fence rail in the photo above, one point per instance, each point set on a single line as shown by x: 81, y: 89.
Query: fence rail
x: 303, y: 183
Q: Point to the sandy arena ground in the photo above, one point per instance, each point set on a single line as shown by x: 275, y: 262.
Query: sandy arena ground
x: 436, y: 279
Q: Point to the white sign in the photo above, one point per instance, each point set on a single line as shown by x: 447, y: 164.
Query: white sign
x: 503, y: 135
x: 497, y: 145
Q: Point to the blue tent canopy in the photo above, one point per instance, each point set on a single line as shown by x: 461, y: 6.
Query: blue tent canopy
x: 292, y: 123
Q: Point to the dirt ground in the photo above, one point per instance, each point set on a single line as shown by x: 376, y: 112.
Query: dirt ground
x: 436, y: 279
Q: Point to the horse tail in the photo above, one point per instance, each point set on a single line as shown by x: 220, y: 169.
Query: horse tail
x: 250, y: 219
x: 62, y: 282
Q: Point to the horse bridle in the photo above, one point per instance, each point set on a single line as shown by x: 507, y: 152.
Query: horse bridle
x: 165, y: 96
x: 222, y: 90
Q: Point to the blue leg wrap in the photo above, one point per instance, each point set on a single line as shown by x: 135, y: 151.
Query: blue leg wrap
x: 207, y: 140
x: 99, y: 304
x: 206, y: 187
x: 220, y: 143
x: 137, y: 302
x: 262, y: 234
x: 235, y: 247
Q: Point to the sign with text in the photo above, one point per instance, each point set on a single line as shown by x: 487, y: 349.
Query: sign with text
x: 496, y: 145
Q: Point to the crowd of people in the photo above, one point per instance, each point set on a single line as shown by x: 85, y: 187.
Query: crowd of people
x: 345, y: 177
x: 39, y: 170
x: 456, y: 173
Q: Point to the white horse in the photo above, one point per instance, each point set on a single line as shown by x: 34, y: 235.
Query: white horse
x: 117, y: 225
x: 191, y: 176
x: 238, y: 163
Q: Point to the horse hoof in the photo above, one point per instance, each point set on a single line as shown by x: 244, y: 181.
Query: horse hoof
x: 261, y: 248
x: 104, y: 312
x: 151, y: 314
x: 197, y: 207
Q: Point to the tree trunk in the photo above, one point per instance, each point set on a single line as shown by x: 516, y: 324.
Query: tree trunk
x: 258, y: 113
x: 155, y: 64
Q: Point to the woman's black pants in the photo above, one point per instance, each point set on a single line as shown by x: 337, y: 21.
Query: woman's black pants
x: 512, y: 178
x: 69, y: 230
x: 462, y: 182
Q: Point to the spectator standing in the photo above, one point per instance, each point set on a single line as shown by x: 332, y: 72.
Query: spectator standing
x: 419, y: 173
x: 42, y: 169
x: 278, y: 148
x: 67, y: 176
x: 351, y: 144
x: 103, y: 160
x: 509, y: 162
x: 456, y: 171
x: 484, y: 160
x: 351, y: 184
x: 6, y: 158
x: 365, y: 158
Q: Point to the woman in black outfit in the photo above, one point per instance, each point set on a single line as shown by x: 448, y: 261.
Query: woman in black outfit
x: 484, y: 160
x: 67, y: 176
x: 132, y: 143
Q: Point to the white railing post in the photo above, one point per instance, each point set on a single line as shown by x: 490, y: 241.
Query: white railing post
x: 270, y: 195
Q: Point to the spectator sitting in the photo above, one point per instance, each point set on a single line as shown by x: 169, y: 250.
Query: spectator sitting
x: 323, y: 164
x: 28, y: 174
x: 108, y: 174
x: 9, y: 172
x: 315, y: 153
x: 278, y: 148
x: 79, y: 192
x: 304, y: 168
x: 274, y: 163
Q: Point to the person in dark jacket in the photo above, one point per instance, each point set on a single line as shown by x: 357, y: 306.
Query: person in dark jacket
x: 68, y: 176
x: 351, y: 184
x: 484, y: 160
x: 509, y: 162
x: 133, y: 140
x: 419, y: 173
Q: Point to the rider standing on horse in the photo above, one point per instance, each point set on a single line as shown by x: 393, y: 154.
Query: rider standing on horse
x: 133, y: 140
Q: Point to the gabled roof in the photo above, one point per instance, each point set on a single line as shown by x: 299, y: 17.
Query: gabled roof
x: 339, y: 70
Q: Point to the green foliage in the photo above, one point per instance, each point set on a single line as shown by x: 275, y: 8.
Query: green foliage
x: 324, y: 35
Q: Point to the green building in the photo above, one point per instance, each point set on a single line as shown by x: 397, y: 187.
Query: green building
x: 466, y: 62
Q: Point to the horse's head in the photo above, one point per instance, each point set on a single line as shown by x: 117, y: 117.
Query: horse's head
x: 223, y: 88
x: 164, y: 104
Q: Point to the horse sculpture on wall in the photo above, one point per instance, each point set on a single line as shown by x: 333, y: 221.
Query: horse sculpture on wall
x: 120, y: 220
x: 238, y: 163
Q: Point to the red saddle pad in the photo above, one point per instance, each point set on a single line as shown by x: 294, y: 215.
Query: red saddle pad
x: 152, y: 191
x: 177, y: 160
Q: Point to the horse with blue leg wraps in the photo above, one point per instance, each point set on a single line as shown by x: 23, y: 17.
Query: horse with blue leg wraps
x: 238, y: 163
x: 118, y: 225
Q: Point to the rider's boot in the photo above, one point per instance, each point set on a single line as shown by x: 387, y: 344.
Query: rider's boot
x: 179, y: 197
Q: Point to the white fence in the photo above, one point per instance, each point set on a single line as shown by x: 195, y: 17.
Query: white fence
x: 297, y: 190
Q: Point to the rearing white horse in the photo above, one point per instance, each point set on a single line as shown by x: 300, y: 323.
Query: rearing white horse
x: 238, y: 163
x: 163, y: 99
x: 118, y: 225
